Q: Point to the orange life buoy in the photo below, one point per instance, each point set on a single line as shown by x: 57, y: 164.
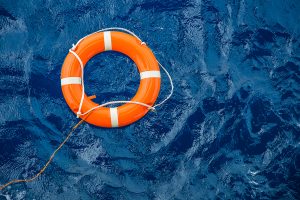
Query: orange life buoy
x: 127, y: 44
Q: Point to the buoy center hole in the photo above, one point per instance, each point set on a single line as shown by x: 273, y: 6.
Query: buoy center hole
x: 111, y: 76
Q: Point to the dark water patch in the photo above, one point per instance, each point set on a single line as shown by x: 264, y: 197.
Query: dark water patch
x: 211, y: 104
x: 286, y: 79
x: 13, y: 134
x: 11, y: 71
x: 168, y: 5
x: 263, y: 36
x: 285, y: 35
x: 182, y: 142
x: 210, y: 13
x: 5, y: 13
x: 217, y: 163
x: 55, y: 120
x: 13, y: 83
x: 262, y: 114
x: 40, y: 57
x: 244, y: 92
x: 196, y: 118
x: 234, y: 105
x: 166, y: 165
x: 293, y: 179
x: 45, y: 85
x: 257, y: 52
x: 242, y: 38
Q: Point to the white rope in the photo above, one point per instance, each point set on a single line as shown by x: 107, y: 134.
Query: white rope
x: 82, y: 82
x: 117, y: 102
x: 109, y: 29
x: 72, y: 50
x: 172, y: 86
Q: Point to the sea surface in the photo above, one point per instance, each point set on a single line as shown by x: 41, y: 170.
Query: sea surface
x: 230, y: 131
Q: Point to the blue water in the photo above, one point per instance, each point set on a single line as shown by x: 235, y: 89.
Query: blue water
x: 231, y: 130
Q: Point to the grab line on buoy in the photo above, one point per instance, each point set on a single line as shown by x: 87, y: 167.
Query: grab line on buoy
x: 123, y: 41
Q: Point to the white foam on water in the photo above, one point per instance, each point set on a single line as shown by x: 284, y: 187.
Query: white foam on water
x: 226, y: 30
x: 13, y: 26
x: 20, y: 195
x: 91, y: 152
x: 172, y: 187
x: 248, y: 118
x: 254, y: 182
x: 267, y: 157
x: 207, y: 133
x: 6, y: 196
x: 289, y: 47
x: 253, y: 173
x: 196, y: 143
x: 241, y: 12
x: 231, y: 89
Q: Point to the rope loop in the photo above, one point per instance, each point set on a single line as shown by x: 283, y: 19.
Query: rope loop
x: 73, y: 47
x: 152, y: 108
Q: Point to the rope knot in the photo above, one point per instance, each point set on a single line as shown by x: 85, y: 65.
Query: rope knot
x: 152, y: 109
x: 143, y: 43
x: 78, y: 114
x: 73, y: 47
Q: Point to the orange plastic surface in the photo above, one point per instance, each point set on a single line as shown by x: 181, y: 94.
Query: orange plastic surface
x: 147, y: 92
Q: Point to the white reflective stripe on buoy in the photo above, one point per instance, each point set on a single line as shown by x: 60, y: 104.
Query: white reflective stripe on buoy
x: 114, y: 117
x: 70, y: 80
x: 107, y: 41
x: 150, y: 74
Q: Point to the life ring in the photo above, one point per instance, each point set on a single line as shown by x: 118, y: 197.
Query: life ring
x: 127, y: 44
